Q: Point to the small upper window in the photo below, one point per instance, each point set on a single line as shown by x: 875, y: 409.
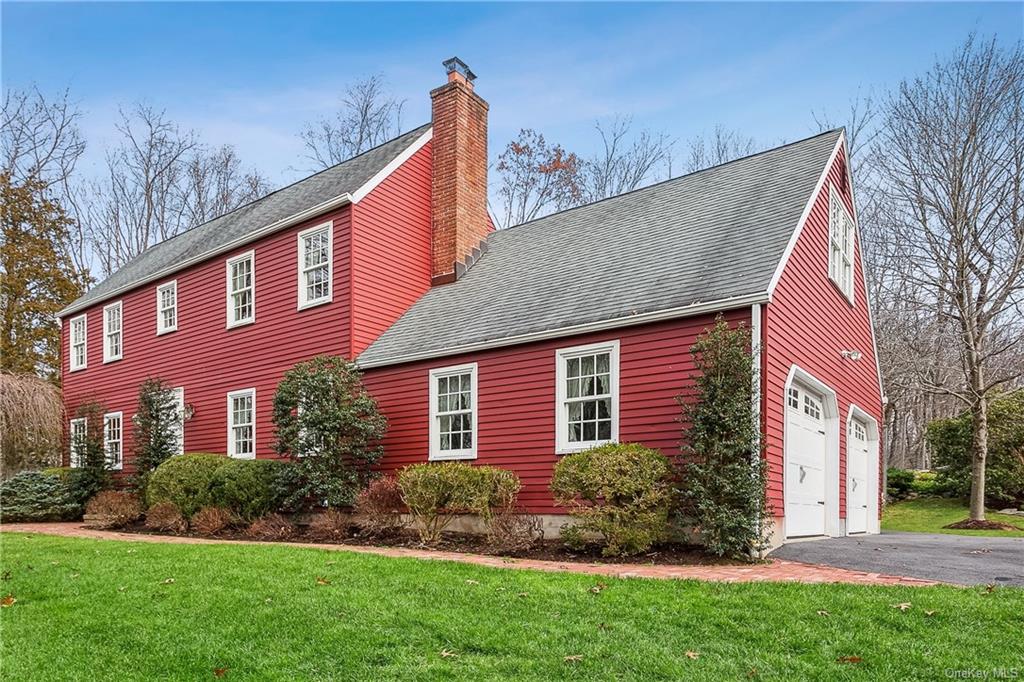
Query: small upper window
x: 794, y: 398
x: 453, y: 412
x: 79, y: 329
x: 840, y: 254
x: 242, y: 424
x: 315, y: 266
x: 859, y: 432
x: 112, y: 439
x: 587, y: 395
x: 812, y: 407
x: 77, y: 435
x: 112, y: 342
x: 241, y: 289
x: 167, y: 307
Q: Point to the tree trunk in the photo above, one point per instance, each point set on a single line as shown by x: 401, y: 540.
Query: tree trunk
x: 979, y: 453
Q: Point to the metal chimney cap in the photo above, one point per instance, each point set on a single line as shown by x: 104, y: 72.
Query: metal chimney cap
x: 458, y: 66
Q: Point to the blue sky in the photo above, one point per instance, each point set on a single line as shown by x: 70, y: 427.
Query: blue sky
x: 252, y: 74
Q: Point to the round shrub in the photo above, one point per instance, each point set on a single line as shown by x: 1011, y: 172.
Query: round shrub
x: 619, y: 492
x: 167, y: 517
x: 378, y: 508
x: 212, y: 520
x: 249, y: 487
x: 185, y: 481
x: 113, y: 509
x: 271, y: 527
x: 899, y: 483
x: 436, y: 493
x: 37, y: 496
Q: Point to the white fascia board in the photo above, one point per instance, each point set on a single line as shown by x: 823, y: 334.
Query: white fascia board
x: 395, y: 163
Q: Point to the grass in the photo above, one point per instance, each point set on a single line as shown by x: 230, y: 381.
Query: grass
x: 930, y: 514
x: 106, y: 610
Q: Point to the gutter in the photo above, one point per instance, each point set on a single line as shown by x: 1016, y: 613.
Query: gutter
x: 294, y: 219
x: 573, y: 330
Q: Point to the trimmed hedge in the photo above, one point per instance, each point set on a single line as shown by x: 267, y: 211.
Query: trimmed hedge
x: 249, y: 487
x: 620, y: 492
x: 184, y: 480
x: 37, y: 496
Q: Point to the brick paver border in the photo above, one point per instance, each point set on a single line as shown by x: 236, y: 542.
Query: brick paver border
x: 774, y: 570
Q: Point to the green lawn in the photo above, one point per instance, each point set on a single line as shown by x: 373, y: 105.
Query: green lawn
x: 107, y: 610
x: 930, y: 514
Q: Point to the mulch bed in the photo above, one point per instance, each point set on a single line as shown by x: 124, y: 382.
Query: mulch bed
x: 969, y: 524
x: 547, y: 550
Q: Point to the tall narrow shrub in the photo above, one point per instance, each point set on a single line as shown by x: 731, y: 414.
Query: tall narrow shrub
x: 91, y: 472
x: 328, y: 422
x: 155, y: 429
x: 723, y: 478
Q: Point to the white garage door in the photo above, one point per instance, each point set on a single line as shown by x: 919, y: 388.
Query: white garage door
x: 857, y: 493
x: 805, y: 463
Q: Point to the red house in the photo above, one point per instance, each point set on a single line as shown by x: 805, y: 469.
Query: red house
x: 554, y: 335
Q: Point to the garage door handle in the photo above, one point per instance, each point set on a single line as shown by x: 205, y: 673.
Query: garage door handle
x: 821, y: 502
x: 803, y: 474
x: 821, y: 431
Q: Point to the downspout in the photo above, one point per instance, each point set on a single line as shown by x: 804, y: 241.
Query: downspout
x: 755, y: 403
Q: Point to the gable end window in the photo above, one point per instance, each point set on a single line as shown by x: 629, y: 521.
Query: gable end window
x: 112, y: 337
x: 113, y: 439
x: 453, y: 412
x: 242, y: 424
x: 587, y: 396
x: 315, y: 266
x: 79, y: 330
x: 841, y: 232
x: 167, y: 307
x: 77, y: 434
x: 241, y: 289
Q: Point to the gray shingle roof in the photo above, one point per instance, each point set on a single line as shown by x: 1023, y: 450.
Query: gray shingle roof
x: 249, y: 220
x: 714, y: 235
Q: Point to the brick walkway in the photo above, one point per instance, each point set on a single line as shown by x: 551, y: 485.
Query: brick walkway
x: 775, y: 570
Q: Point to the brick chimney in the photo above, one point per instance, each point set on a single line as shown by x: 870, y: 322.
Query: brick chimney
x: 459, y: 180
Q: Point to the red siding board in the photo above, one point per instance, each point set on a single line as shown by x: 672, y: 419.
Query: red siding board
x: 808, y: 323
x: 391, y: 263
x: 516, y: 386
x: 203, y: 356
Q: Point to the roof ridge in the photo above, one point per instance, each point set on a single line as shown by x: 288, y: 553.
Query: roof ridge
x: 675, y: 179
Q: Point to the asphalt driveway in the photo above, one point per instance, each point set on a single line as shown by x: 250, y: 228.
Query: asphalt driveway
x: 960, y: 559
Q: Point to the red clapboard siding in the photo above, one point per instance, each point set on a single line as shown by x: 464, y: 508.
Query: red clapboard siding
x: 808, y: 323
x: 203, y: 356
x: 516, y: 386
x: 390, y: 249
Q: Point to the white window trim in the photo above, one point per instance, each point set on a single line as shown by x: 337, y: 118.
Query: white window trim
x: 179, y: 396
x: 562, y: 355
x: 72, y: 367
x: 303, y: 301
x: 160, y: 329
x: 845, y: 287
x: 75, y: 460
x: 231, y: 431
x: 107, y: 355
x: 120, y: 443
x: 436, y: 454
x: 230, y: 309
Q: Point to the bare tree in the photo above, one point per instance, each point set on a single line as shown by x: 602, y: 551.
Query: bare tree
x: 951, y: 156
x: 367, y: 117
x: 41, y: 138
x: 536, y: 178
x: 160, y: 181
x: 720, y: 146
x: 625, y: 161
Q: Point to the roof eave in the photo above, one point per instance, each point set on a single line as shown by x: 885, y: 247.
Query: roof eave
x: 294, y: 219
x: 600, y: 325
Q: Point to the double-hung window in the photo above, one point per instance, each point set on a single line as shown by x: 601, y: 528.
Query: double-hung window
x: 840, y: 252
x: 167, y: 307
x: 79, y: 331
x: 315, y: 266
x: 77, y: 435
x: 242, y: 424
x: 112, y: 337
x: 453, y: 412
x: 587, y: 395
x: 241, y: 274
x: 113, y: 439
